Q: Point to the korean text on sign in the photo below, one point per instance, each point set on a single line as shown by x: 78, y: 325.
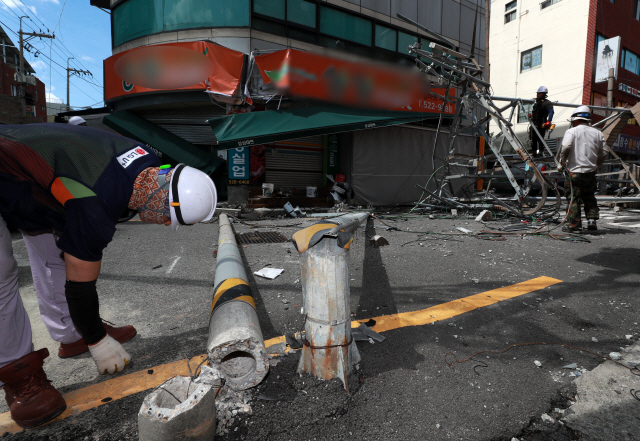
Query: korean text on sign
x: 238, y: 165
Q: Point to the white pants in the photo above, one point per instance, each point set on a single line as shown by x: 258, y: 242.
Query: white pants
x: 48, y: 271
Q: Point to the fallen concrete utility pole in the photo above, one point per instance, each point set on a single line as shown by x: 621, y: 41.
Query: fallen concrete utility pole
x: 235, y: 341
x: 329, y: 349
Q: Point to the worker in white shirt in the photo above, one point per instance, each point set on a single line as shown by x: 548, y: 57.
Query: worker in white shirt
x: 583, y: 151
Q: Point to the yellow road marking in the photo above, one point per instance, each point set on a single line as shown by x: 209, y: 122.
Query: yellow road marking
x: 120, y: 387
x: 459, y: 306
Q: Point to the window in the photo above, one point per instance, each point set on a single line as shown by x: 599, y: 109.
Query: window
x: 636, y: 10
x: 315, y: 23
x: 523, y: 112
x: 343, y: 25
x: 630, y: 62
x: 531, y: 59
x: 386, y: 38
x: 510, y: 9
x: 187, y: 14
x: 301, y: 12
x: 404, y: 41
x: 547, y: 3
x: 272, y: 8
x: 137, y: 18
x: 14, y: 90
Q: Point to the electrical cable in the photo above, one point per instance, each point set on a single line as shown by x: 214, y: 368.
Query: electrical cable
x: 61, y: 11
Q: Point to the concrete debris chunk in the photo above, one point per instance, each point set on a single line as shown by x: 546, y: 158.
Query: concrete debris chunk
x: 208, y: 375
x: 547, y: 419
x: 173, y: 410
x: 464, y: 230
x: 484, y: 216
x: 570, y: 366
x: 615, y: 355
x: 537, y: 363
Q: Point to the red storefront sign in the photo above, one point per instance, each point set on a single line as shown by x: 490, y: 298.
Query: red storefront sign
x: 193, y: 65
x: 354, y: 84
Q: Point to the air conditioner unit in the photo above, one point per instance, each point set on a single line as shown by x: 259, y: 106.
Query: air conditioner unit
x: 23, y: 78
x: 19, y: 77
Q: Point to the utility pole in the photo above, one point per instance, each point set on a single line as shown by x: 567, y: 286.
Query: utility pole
x: 487, y: 13
x: 22, y: 79
x: 610, y: 87
x: 70, y: 71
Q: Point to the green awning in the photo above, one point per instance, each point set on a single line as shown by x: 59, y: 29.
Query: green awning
x: 245, y: 129
x: 172, y: 148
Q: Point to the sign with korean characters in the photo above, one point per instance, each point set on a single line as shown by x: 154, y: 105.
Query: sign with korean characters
x: 238, y: 160
x: 627, y: 144
x: 628, y: 89
x: 607, y: 57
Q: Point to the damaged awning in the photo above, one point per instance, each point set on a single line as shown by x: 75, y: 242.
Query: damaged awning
x: 253, y: 128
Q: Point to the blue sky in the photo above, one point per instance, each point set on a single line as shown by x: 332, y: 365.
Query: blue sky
x: 82, y: 31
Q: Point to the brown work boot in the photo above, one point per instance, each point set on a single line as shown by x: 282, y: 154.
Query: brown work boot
x: 120, y: 334
x: 31, y: 398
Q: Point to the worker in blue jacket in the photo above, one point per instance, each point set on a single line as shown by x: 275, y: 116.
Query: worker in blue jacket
x: 65, y: 187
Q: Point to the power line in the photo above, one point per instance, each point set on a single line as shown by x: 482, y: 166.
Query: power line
x: 61, y: 11
x: 35, y: 15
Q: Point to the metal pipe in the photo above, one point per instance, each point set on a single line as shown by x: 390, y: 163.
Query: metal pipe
x: 235, y: 343
x: 329, y: 350
x: 501, y: 98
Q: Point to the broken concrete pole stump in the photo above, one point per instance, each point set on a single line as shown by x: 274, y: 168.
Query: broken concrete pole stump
x: 178, y: 410
x: 235, y: 346
x: 329, y: 349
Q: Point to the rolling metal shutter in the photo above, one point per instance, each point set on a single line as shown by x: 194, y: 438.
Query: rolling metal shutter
x: 189, y: 123
x: 297, y: 163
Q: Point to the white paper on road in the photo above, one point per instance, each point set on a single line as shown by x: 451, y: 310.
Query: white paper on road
x: 269, y: 273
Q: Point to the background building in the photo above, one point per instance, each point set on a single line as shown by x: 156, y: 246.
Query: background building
x: 554, y: 43
x: 12, y: 109
x: 364, y: 29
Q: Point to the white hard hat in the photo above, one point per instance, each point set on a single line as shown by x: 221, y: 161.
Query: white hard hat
x: 582, y: 112
x: 76, y: 120
x: 192, y: 196
x: 543, y: 89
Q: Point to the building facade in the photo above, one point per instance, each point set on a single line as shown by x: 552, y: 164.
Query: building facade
x: 13, y: 89
x: 362, y: 29
x: 554, y: 43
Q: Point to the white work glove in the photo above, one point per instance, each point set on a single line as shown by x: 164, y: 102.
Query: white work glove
x: 109, y: 355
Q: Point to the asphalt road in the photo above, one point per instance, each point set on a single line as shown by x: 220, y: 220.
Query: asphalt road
x: 161, y: 282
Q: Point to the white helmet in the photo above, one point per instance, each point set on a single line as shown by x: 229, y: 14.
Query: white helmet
x: 582, y: 112
x: 543, y: 89
x: 192, y: 196
x: 77, y: 120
